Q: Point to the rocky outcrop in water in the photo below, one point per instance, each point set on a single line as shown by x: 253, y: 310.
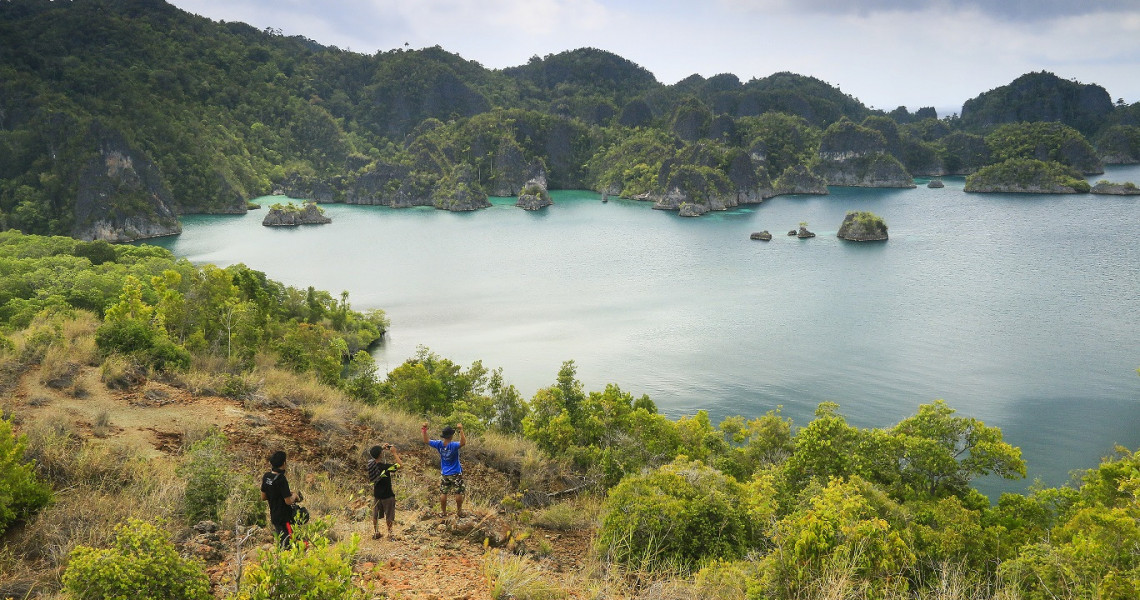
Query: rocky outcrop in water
x: 1115, y: 189
x: 862, y: 226
x: 534, y: 195
x: 803, y: 233
x: 763, y: 236
x: 292, y: 215
x: 1027, y: 176
x: 935, y: 184
x: 121, y: 195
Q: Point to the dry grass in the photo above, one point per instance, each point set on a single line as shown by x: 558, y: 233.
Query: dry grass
x: 578, y: 514
x: 65, y: 461
x: 515, y: 577
x: 102, y: 427
x: 390, y: 424
x: 289, y: 390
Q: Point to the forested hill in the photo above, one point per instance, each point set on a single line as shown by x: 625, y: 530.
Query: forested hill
x: 118, y: 115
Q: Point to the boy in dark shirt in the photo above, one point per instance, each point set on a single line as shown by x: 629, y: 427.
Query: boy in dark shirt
x: 275, y: 491
x: 384, y: 499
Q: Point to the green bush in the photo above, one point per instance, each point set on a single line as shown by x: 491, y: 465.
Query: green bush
x: 208, y: 478
x: 316, y: 570
x: 21, y: 492
x: 141, y: 565
x: 682, y: 514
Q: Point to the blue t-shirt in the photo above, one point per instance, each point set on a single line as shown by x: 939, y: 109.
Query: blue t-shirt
x: 448, y: 457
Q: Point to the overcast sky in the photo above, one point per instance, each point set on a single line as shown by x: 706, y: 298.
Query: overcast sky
x: 885, y: 52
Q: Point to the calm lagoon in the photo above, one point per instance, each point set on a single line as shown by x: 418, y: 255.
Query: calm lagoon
x: 1022, y: 311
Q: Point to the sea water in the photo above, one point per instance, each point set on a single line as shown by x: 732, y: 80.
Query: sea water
x: 1020, y: 310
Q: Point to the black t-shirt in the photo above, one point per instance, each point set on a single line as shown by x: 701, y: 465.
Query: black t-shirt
x: 276, y: 489
x: 380, y: 474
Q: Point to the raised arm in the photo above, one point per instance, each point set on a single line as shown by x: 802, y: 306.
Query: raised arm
x: 423, y: 430
x: 462, y: 436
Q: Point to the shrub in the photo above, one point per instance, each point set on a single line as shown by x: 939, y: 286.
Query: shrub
x: 208, y: 478
x: 21, y: 492
x: 317, y: 570
x: 681, y: 514
x: 142, y: 564
x: 841, y: 531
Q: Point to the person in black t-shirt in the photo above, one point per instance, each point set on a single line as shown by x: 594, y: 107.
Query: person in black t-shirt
x: 275, y: 491
x: 384, y: 499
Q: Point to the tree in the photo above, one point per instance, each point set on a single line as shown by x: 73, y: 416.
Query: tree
x: 942, y: 453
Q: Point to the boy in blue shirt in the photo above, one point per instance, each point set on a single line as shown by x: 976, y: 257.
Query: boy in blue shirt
x: 452, y: 471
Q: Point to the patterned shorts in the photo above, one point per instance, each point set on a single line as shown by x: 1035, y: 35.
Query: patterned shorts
x: 452, y: 484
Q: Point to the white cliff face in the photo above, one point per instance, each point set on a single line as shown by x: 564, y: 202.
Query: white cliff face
x: 121, y: 197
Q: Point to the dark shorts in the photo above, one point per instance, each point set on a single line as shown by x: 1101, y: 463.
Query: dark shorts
x: 385, y: 507
x: 452, y: 484
x: 284, y: 534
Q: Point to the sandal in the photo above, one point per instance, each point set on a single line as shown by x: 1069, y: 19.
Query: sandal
x: 377, y: 535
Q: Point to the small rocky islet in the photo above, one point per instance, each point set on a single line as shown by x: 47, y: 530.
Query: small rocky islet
x: 293, y: 215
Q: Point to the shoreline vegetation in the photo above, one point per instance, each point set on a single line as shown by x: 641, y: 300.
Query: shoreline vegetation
x: 141, y: 395
x: 164, y: 113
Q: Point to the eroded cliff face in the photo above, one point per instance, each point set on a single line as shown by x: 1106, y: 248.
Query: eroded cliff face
x: 121, y: 196
x: 857, y: 156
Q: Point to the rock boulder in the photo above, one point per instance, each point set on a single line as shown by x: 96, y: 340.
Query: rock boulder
x: 862, y: 226
x: 291, y: 215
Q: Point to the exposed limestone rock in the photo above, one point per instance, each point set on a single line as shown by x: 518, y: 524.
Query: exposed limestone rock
x: 692, y: 209
x: 121, y: 195
x: 862, y: 226
x: 804, y: 233
x: 534, y: 195
x: 512, y: 171
x: 857, y: 156
x: 763, y: 236
x: 1116, y: 189
x: 936, y: 183
x: 875, y: 170
x: 798, y: 179
x: 291, y: 215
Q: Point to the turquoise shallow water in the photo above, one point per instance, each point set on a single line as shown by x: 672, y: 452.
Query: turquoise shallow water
x: 1023, y: 311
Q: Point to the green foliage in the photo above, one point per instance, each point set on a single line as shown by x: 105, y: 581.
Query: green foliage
x: 1119, y: 143
x: 632, y: 165
x: 209, y: 478
x: 1045, y: 142
x: 1040, y: 97
x: 1028, y: 175
x: 142, y: 563
x: 843, y: 524
x: 21, y: 491
x: 1090, y: 549
x: 682, y: 514
x: 133, y: 327
x: 783, y: 140
x: 942, y: 453
x: 316, y: 570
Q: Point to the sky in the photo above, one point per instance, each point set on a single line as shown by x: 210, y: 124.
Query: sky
x: 886, y: 53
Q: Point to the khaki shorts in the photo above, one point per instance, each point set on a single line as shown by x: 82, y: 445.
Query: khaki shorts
x: 452, y: 484
x: 386, y: 508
